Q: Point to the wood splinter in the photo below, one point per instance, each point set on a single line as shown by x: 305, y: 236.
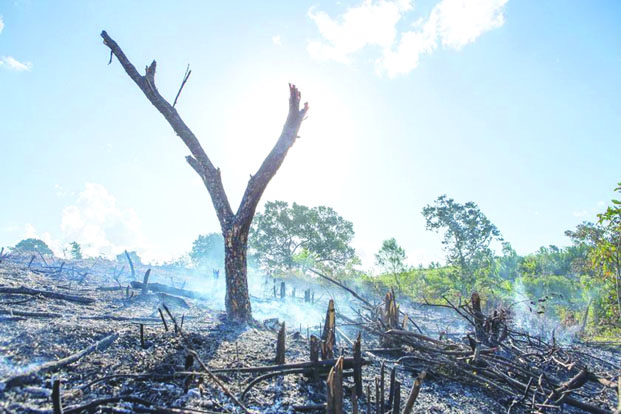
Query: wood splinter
x: 335, y: 389
x: 418, y: 382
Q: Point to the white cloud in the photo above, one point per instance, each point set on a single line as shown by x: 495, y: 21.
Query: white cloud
x: 11, y: 63
x: 370, y: 24
x: 100, y: 226
x: 462, y: 21
x: 277, y: 40
x: 451, y: 24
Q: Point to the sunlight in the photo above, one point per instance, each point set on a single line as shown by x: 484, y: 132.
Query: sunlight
x: 329, y: 125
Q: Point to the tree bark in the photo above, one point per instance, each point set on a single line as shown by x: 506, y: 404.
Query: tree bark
x: 235, y: 226
x: 237, y: 300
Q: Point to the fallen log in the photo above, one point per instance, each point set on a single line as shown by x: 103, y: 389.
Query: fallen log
x: 110, y: 288
x: 52, y: 295
x: 159, y: 287
x: 119, y: 318
x: 31, y: 375
x: 30, y: 314
x: 348, y: 363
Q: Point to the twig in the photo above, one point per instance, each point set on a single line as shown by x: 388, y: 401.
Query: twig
x: 188, y: 72
x: 32, y: 374
x: 268, y: 376
x: 52, y: 295
x: 218, y: 382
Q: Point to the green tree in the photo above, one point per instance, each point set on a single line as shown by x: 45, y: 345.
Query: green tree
x: 33, y: 245
x: 468, y: 234
x: 391, y: 258
x: 286, y: 237
x: 603, y: 241
x: 76, y: 251
x: 208, y: 250
x: 608, y: 252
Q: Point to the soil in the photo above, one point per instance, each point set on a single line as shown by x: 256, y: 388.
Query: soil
x: 35, y: 330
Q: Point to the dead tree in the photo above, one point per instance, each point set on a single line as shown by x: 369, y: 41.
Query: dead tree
x: 234, y: 225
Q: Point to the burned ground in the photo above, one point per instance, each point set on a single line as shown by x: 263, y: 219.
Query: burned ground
x: 36, y: 330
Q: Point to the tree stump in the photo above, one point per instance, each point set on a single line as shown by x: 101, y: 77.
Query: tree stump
x: 335, y: 389
x: 280, y: 345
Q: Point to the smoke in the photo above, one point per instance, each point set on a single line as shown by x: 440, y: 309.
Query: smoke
x: 209, y: 280
x: 538, y: 316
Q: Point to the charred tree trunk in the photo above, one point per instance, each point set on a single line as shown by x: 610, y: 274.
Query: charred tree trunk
x: 235, y: 226
x: 236, y: 300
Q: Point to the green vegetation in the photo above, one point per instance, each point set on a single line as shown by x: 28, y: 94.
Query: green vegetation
x: 292, y: 238
x: 467, y: 238
x: 76, y: 251
x: 391, y: 258
x: 208, y: 250
x: 33, y: 246
x: 578, y: 286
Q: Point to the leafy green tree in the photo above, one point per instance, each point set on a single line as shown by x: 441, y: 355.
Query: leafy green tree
x: 608, y: 251
x: 33, y: 245
x: 76, y: 251
x: 468, y: 234
x: 391, y: 258
x: 296, y: 237
x: 208, y: 250
x: 603, y: 241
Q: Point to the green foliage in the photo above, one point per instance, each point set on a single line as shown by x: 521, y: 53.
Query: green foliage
x: 76, y: 251
x: 33, y: 245
x: 602, y: 241
x: 286, y: 238
x: 208, y: 250
x: 391, y: 258
x: 468, y: 234
x: 565, y: 285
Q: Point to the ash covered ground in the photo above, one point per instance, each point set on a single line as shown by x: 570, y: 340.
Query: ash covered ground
x: 35, y: 330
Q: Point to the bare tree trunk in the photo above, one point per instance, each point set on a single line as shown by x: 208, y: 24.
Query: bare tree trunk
x: 236, y: 300
x: 235, y: 226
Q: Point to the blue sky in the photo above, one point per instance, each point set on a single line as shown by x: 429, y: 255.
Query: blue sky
x: 511, y: 104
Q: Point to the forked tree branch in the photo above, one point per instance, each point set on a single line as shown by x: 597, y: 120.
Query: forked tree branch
x: 271, y: 164
x: 199, y: 160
